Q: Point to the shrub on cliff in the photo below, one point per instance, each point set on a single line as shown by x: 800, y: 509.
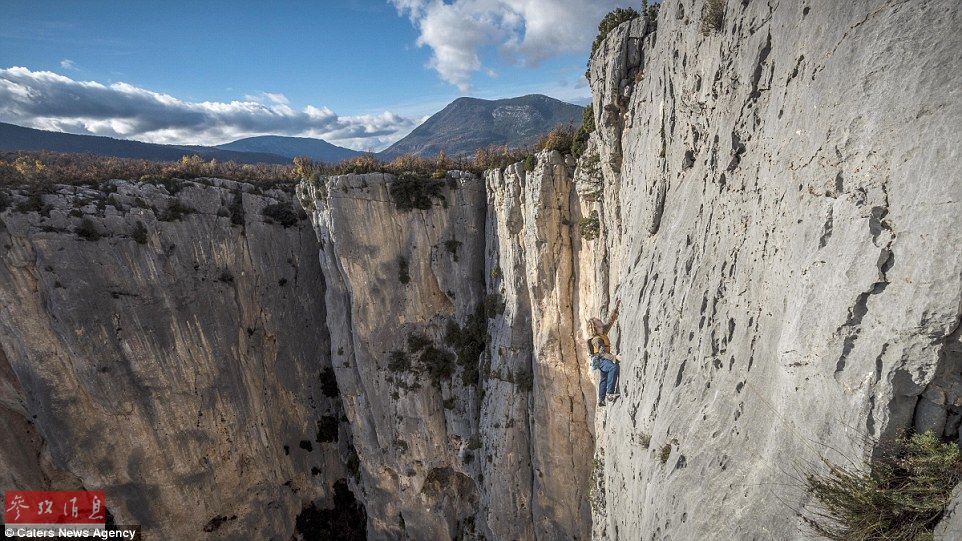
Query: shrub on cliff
x: 590, y: 227
x: 87, y: 230
x: 140, y: 233
x: 900, y: 496
x: 280, y: 213
x: 530, y: 162
x: 610, y: 22
x: 410, y: 191
x: 403, y: 270
x: 560, y: 138
x: 497, y: 157
x: 580, y: 140
x: 713, y: 16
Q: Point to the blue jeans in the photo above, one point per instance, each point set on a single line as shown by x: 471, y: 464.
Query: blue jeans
x: 608, y: 382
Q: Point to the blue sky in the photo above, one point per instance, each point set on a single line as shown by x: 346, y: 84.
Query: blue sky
x: 360, y: 73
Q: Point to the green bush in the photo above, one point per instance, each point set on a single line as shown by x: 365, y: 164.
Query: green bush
x: 452, y: 246
x: 281, y: 213
x: 237, y: 214
x: 469, y: 342
x: 665, y: 453
x: 590, y: 227
x: 409, y: 192
x: 611, y: 21
x: 438, y: 364
x: 399, y: 361
x: 530, y: 162
x: 140, y: 233
x: 175, y: 211
x: 417, y: 342
x: 403, y: 270
x: 33, y: 203
x: 87, y: 230
x: 900, y: 496
x: 580, y: 140
x: 713, y: 16
x: 560, y: 138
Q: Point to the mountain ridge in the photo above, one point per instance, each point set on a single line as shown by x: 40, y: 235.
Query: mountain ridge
x: 467, y: 124
x: 290, y: 147
x: 14, y: 137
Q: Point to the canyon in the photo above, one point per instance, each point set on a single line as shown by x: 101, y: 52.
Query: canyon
x: 777, y: 202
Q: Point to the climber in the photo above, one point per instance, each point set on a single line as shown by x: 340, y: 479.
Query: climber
x: 599, y: 349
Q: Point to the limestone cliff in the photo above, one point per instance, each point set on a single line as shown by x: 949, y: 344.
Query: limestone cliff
x: 451, y: 336
x: 781, y: 209
x: 167, y: 345
x: 775, y: 195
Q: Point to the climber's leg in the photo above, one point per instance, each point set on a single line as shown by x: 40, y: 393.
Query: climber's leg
x: 613, y: 377
x: 602, y: 385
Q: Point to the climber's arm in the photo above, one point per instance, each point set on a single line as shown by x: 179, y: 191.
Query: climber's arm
x: 614, y: 316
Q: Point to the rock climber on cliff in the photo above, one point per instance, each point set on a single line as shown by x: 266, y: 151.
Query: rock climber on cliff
x: 599, y: 348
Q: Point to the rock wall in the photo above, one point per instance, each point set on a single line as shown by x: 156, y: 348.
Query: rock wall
x: 530, y: 266
x: 167, y: 345
x: 781, y: 208
x: 777, y: 200
x: 452, y: 345
x: 397, y: 283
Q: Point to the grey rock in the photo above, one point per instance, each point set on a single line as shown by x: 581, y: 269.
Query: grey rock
x: 179, y: 374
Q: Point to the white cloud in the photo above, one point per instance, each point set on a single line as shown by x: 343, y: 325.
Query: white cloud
x: 46, y: 100
x: 525, y: 31
x: 68, y: 64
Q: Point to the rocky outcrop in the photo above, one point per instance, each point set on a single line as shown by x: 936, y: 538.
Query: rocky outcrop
x: 168, y: 345
x: 404, y: 289
x: 450, y: 310
x: 780, y: 230
x: 531, y: 267
x: 774, y: 195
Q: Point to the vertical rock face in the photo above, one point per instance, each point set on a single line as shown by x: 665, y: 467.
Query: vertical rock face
x: 530, y: 265
x: 783, y: 230
x: 169, y: 348
x: 452, y: 339
x: 404, y: 292
x: 775, y: 196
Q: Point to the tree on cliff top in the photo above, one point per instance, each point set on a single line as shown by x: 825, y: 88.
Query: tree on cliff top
x: 610, y: 22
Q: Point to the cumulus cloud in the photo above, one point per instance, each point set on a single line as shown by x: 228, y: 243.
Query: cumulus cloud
x: 525, y: 31
x: 68, y: 64
x: 46, y: 100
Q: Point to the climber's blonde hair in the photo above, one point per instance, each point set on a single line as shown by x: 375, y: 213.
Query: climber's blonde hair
x: 591, y: 324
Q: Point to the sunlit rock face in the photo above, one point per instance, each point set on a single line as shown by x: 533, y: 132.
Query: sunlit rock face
x: 780, y: 208
x: 168, y: 345
x: 452, y: 344
x: 777, y: 202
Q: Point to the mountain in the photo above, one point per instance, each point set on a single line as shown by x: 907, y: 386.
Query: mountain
x: 468, y: 124
x: 13, y: 137
x: 289, y: 147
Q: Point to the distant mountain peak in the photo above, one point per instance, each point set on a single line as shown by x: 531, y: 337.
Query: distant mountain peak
x: 290, y: 147
x: 467, y: 124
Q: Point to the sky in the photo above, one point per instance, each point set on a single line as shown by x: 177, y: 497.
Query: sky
x: 358, y: 73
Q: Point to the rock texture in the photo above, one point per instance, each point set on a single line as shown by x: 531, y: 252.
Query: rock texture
x: 781, y: 208
x: 170, y: 349
x: 453, y: 348
x: 397, y: 281
x: 467, y: 124
x: 530, y: 266
x: 776, y: 198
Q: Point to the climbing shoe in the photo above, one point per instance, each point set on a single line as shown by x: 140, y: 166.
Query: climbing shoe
x: 601, y: 404
x: 613, y: 397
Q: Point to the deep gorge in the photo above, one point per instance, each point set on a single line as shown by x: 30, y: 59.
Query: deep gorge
x: 778, y: 205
